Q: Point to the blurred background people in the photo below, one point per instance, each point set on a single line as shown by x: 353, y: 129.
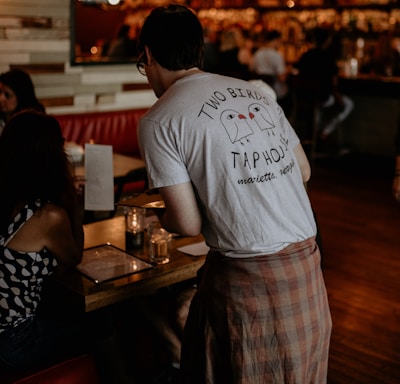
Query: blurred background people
x: 269, y: 65
x: 40, y: 228
x: 245, y: 54
x: 17, y: 92
x: 384, y: 58
x: 396, y: 179
x: 123, y: 46
x: 231, y: 39
x: 211, y: 49
x: 318, y: 65
x: 396, y: 56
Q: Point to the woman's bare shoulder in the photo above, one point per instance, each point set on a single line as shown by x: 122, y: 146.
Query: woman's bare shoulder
x: 35, y: 233
x: 52, y: 213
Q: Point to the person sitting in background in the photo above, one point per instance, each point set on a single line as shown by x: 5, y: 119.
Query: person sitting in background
x: 396, y: 56
x: 211, y: 50
x: 40, y: 227
x: 16, y: 93
x: 269, y: 65
x: 245, y: 53
x: 230, y: 40
x: 123, y: 46
x: 318, y: 64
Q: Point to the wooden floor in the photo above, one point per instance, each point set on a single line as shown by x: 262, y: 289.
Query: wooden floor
x: 359, y: 224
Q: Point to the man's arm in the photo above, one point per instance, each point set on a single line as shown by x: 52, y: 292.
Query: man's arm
x: 303, y: 162
x: 181, y: 214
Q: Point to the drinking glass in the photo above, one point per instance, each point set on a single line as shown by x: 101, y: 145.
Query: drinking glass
x: 159, y: 243
x: 134, y: 228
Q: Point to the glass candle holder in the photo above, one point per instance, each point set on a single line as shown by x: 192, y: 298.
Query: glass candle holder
x: 134, y: 228
x: 159, y: 243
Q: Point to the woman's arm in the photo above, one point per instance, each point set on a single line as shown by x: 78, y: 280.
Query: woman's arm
x: 61, y: 237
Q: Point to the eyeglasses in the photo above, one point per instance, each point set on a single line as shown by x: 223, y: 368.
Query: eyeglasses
x: 141, y: 63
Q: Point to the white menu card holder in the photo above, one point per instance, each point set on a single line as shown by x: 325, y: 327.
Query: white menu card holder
x: 99, y: 186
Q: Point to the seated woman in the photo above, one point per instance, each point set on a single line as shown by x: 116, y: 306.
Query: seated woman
x: 16, y: 93
x: 40, y: 227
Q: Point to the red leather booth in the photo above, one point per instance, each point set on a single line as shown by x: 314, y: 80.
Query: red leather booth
x: 116, y: 128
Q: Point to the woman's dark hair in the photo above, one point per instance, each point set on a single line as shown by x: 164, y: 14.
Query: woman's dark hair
x: 174, y: 36
x: 33, y: 164
x: 21, y: 84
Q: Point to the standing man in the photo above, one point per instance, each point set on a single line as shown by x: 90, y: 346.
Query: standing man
x: 269, y: 65
x: 229, y: 165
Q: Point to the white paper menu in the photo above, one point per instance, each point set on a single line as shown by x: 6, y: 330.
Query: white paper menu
x: 196, y: 249
x: 99, y: 186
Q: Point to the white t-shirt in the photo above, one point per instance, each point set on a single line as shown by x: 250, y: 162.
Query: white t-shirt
x: 234, y: 143
x: 268, y: 61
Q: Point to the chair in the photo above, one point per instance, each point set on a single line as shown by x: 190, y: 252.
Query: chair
x: 133, y: 182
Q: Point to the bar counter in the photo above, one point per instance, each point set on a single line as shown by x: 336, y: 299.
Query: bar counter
x: 371, y: 85
x: 371, y: 127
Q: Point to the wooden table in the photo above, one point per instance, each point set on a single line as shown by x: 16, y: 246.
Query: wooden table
x: 122, y: 164
x: 90, y: 296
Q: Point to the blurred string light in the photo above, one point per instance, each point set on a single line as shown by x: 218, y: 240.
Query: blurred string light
x: 246, y: 17
x: 111, y: 2
x: 102, y: 2
x: 106, y: 4
x: 130, y: 3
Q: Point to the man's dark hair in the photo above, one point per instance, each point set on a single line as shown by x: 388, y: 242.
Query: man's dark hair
x: 321, y: 35
x: 272, y: 35
x: 174, y: 36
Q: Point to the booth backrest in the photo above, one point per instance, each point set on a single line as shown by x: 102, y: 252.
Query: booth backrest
x: 116, y: 128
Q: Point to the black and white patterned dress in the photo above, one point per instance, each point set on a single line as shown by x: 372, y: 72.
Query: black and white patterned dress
x: 21, y: 274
